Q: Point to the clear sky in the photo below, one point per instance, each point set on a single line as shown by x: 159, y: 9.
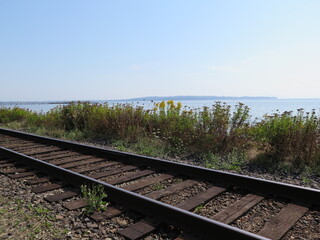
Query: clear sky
x: 77, y: 50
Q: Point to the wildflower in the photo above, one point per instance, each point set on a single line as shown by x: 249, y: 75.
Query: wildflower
x: 162, y: 104
x: 179, y: 105
x: 171, y: 103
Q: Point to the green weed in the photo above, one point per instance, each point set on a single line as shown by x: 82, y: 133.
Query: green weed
x: 41, y: 211
x: 157, y: 186
x: 306, y: 180
x: 198, y: 209
x: 231, y: 161
x: 95, y: 196
x: 120, y: 145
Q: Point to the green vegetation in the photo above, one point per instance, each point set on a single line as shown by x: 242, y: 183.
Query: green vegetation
x: 198, y: 209
x: 94, y: 196
x: 292, y: 139
x: 229, y: 161
x: 219, y: 136
x: 157, y: 186
x: 20, y: 220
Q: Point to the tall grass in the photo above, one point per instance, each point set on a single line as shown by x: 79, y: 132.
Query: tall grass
x: 177, y: 130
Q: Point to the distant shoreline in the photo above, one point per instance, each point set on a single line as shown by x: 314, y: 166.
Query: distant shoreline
x: 157, y: 98
x: 152, y: 98
x: 35, y: 102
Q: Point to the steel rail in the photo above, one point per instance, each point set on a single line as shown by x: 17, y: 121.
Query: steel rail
x: 178, y: 217
x: 297, y: 193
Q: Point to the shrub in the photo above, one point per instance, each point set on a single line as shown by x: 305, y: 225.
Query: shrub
x: 289, y: 138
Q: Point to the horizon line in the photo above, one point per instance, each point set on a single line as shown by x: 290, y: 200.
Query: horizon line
x: 148, y: 99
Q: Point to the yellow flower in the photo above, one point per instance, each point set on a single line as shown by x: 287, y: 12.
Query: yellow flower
x: 171, y: 103
x: 179, y: 105
x: 162, y: 104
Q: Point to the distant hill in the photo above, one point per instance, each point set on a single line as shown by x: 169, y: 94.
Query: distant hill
x: 157, y: 98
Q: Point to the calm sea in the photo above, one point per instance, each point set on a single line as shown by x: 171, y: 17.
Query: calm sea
x: 258, y: 107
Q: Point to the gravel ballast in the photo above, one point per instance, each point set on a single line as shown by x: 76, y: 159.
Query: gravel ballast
x: 17, y: 202
x: 26, y: 215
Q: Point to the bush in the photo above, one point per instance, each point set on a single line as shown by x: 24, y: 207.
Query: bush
x: 289, y: 138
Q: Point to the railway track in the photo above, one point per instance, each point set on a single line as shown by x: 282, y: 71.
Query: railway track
x: 206, y: 203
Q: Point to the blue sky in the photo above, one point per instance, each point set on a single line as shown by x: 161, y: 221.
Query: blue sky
x: 77, y: 50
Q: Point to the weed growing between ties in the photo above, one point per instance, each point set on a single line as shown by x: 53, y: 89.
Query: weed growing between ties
x: 95, y: 196
x: 157, y: 186
x: 220, y: 136
x: 198, y: 209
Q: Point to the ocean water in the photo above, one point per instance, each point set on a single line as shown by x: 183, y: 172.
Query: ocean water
x: 258, y: 107
x: 38, y: 107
